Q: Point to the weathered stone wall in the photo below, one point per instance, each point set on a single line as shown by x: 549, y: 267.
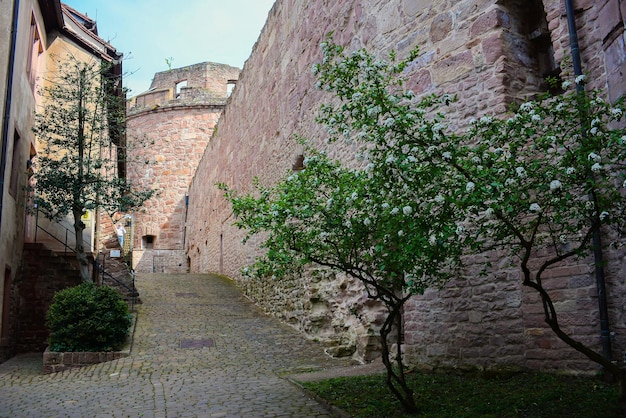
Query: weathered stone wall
x: 491, y: 53
x: 168, y: 134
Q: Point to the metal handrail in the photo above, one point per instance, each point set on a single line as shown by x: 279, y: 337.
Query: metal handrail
x: 65, y: 246
x: 99, y: 268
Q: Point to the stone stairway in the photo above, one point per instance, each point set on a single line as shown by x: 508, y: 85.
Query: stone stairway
x: 43, y: 272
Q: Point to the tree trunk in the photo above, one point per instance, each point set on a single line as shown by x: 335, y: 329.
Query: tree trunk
x: 81, y: 255
x: 395, y: 377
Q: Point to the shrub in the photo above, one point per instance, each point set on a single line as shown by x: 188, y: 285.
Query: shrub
x: 87, y: 318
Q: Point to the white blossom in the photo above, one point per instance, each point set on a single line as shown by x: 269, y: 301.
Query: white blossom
x: 616, y: 112
x: 534, y: 207
x: 395, y: 211
x: 432, y: 240
x: 486, y: 119
x: 347, y: 223
x: 460, y: 230
x: 526, y: 107
x: 565, y: 85
x: 579, y: 79
x: 555, y: 185
x: 400, y: 233
x: 470, y: 186
x: 521, y: 172
x: 489, y: 212
x: 596, y: 167
x: 594, y: 157
x: 476, y: 159
x: 447, y: 155
x: 389, y: 122
x: 604, y: 215
x: 407, y: 210
x: 536, y: 118
x: 570, y: 170
x: 509, y: 182
x: 563, y: 239
x: 367, y: 222
x: 411, y: 159
x: 385, y: 205
x: 329, y: 203
x: 439, y: 198
x: 390, y: 159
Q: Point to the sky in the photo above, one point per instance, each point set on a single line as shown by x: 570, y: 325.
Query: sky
x: 151, y: 32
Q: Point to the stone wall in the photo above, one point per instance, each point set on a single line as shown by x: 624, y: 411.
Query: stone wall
x: 491, y: 53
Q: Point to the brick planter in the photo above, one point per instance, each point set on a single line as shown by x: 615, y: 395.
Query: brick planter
x: 58, y: 361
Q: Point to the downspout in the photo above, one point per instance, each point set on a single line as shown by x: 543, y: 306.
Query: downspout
x: 605, y: 334
x: 7, y: 104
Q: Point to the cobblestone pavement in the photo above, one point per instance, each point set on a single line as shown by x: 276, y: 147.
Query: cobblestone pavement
x: 200, y: 350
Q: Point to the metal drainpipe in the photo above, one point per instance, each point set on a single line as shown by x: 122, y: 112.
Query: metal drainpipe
x: 605, y: 334
x: 7, y: 104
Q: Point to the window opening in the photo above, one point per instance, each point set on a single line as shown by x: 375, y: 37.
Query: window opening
x: 36, y: 49
x: 298, y: 165
x: 179, y: 86
x: 15, y: 165
x: 230, y: 86
x: 147, y: 242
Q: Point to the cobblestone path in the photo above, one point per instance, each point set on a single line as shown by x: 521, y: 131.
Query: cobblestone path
x: 200, y: 350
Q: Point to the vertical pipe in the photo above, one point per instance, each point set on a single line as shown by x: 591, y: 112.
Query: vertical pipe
x: 605, y: 335
x: 7, y: 103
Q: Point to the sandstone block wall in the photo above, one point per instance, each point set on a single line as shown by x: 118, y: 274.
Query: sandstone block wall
x: 491, y: 53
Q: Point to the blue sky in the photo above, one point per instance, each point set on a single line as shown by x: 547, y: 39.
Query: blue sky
x: 148, y: 32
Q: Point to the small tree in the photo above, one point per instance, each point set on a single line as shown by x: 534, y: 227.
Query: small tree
x: 546, y: 183
x: 76, y: 168
x: 385, y: 222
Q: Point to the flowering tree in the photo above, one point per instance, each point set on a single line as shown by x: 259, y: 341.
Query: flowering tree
x: 540, y: 184
x: 76, y: 169
x: 543, y: 184
x: 385, y: 221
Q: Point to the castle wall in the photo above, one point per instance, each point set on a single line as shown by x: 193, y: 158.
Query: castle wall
x: 478, y: 49
x: 168, y: 131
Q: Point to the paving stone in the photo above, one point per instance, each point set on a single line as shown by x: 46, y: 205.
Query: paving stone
x: 236, y: 366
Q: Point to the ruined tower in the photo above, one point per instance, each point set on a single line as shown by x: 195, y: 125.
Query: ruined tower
x: 168, y: 129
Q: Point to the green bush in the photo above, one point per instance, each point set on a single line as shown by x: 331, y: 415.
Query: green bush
x: 87, y: 318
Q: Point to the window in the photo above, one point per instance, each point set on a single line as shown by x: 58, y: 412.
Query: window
x: 529, y: 47
x: 230, y: 86
x: 298, y: 164
x: 179, y: 86
x: 147, y: 242
x: 15, y: 165
x: 36, y: 49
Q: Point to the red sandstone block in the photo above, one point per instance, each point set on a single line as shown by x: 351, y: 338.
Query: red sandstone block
x: 609, y: 18
x: 494, y: 18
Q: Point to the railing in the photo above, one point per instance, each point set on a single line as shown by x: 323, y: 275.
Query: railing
x: 98, y: 269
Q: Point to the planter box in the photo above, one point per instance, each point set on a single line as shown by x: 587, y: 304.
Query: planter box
x: 58, y: 361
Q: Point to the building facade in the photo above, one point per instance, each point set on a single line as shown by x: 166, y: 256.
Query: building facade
x: 491, y: 53
x: 37, y: 35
